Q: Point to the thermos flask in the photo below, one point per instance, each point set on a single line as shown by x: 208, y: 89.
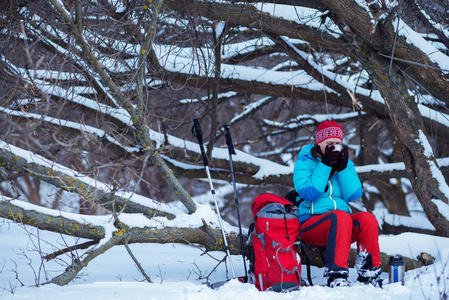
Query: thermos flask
x: 396, y: 269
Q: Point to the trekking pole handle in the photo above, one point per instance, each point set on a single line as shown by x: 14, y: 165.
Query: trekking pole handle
x: 229, y: 139
x: 196, y: 131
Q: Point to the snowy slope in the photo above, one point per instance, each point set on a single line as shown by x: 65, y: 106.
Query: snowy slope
x: 175, y: 270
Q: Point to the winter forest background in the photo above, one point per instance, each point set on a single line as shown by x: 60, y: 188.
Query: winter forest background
x: 98, y: 99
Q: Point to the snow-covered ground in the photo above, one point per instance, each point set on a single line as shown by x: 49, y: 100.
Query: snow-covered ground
x: 175, y: 270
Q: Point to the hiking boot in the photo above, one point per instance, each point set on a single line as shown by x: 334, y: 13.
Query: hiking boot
x: 338, y: 281
x: 375, y: 281
x: 367, y: 273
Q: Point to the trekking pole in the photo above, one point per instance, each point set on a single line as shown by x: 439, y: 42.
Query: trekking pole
x: 196, y: 130
x: 231, y: 152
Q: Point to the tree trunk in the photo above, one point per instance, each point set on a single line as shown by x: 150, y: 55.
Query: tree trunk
x: 316, y: 254
x: 421, y: 167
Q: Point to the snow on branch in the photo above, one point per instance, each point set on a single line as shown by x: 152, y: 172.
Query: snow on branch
x: 266, y: 167
x: 97, y: 227
x: 120, y: 229
x: 434, y: 54
x: 72, y: 125
x: 100, y: 194
x: 83, y: 226
x: 308, y: 120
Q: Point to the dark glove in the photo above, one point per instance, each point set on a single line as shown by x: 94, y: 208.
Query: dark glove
x: 343, y: 159
x: 330, y: 156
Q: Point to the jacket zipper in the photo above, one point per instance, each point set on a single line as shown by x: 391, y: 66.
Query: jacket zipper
x: 330, y: 195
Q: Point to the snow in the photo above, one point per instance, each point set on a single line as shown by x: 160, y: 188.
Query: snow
x: 429, y: 50
x: 195, y: 220
x: 397, y: 220
x: 443, y: 208
x: 302, y: 15
x: 175, y: 270
x: 250, y: 108
x: 412, y: 244
x: 219, y: 28
x: 438, y: 26
x: 434, y: 115
x: 183, y: 60
x: 267, y: 167
x: 307, y: 119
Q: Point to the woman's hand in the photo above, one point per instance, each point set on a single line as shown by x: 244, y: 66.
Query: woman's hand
x: 343, y: 163
x: 331, y: 156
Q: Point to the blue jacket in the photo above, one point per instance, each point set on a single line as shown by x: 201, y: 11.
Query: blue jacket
x: 310, y: 178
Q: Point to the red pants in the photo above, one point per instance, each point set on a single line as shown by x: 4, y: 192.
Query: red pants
x: 337, y: 230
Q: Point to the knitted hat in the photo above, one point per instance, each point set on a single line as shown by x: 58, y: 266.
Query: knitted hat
x: 327, y: 130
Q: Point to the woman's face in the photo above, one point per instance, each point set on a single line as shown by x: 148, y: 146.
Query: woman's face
x: 329, y: 142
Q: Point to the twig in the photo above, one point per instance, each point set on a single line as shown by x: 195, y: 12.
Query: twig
x: 138, y: 265
x: 216, y: 266
x: 71, y: 272
x: 414, y: 63
x: 392, y: 50
x: 69, y: 249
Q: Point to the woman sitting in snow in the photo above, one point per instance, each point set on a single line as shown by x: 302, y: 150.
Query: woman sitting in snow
x: 326, y: 180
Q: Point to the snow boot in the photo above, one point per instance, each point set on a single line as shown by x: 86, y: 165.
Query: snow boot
x: 375, y: 281
x: 367, y: 273
x: 338, y: 280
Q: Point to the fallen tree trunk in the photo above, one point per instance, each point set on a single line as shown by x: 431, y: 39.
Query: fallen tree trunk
x: 206, y: 236
x: 316, y: 255
x: 398, y: 229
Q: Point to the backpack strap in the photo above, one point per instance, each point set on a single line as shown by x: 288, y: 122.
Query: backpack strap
x: 307, y: 261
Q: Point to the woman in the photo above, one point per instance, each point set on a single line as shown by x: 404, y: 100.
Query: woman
x: 326, y: 182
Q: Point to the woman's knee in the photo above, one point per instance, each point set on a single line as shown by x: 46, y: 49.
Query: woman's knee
x: 365, y: 221
x: 366, y: 218
x: 343, y: 217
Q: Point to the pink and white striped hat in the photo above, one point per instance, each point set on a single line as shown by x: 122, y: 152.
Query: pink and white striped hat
x: 327, y: 130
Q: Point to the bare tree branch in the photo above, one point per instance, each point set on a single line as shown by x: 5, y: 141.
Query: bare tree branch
x: 136, y: 115
x: 108, y: 200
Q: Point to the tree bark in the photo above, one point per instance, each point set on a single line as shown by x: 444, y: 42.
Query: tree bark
x: 420, y: 165
x: 316, y: 255
x: 247, y: 15
x: 410, y: 131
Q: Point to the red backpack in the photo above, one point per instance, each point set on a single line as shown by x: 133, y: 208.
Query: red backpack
x: 275, y: 262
